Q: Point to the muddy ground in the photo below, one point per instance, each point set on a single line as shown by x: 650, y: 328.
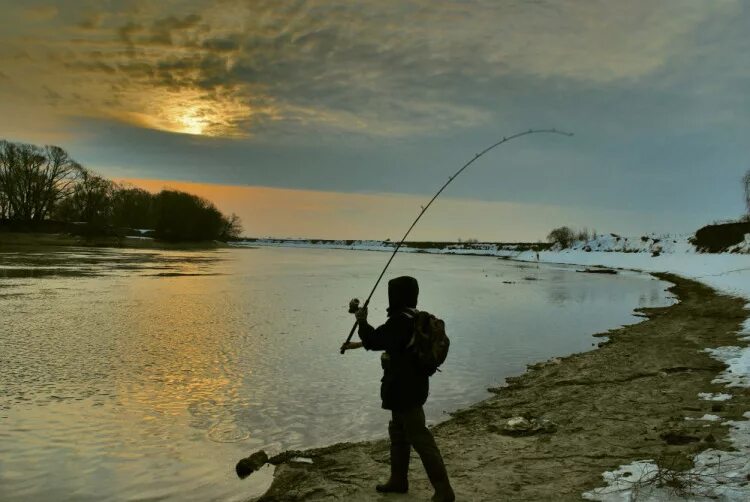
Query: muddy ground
x: 625, y: 401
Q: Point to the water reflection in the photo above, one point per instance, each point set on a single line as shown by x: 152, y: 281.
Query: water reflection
x: 141, y: 374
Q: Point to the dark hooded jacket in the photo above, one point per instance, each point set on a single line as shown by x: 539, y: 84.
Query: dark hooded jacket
x: 403, y: 385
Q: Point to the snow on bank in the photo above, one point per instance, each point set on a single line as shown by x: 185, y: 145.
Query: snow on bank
x: 467, y: 248
x: 716, y: 475
x: 650, y: 244
x: 708, y: 396
x: 358, y: 245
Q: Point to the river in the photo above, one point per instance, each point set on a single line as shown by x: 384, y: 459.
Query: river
x: 145, y: 375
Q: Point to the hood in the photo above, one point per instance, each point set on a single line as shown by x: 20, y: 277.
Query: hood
x: 402, y: 293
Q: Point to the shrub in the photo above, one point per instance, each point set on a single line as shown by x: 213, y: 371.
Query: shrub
x: 181, y: 216
x: 563, y: 236
x: 719, y: 237
x: 583, y: 235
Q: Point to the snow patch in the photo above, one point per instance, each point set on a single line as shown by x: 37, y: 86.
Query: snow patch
x: 706, y: 418
x: 621, y: 481
x: 737, y: 359
x: 301, y: 460
x: 463, y: 248
x: 716, y: 475
x: 742, y: 247
x: 708, y: 396
x: 648, y: 243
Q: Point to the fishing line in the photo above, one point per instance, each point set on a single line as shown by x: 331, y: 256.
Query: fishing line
x: 424, y: 209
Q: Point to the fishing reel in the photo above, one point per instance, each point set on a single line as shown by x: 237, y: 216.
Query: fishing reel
x: 354, y: 305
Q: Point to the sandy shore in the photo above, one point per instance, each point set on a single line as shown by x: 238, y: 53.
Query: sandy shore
x: 626, y: 401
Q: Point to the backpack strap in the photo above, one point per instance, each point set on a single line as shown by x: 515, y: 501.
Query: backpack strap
x: 410, y: 313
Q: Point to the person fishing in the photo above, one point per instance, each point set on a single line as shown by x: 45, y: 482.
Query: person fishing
x: 404, y: 389
x: 405, y: 383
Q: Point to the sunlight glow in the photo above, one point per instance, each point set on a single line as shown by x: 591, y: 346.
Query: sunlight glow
x: 192, y: 112
x: 192, y: 122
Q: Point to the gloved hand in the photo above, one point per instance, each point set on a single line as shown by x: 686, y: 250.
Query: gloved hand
x: 361, y: 315
x: 351, y: 345
x: 353, y: 305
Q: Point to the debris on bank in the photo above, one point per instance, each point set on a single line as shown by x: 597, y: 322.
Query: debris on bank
x: 521, y: 426
x: 254, y: 462
x: 598, y: 271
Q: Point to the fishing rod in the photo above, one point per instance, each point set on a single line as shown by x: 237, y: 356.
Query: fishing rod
x: 424, y: 209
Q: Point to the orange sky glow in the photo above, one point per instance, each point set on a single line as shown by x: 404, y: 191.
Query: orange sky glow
x: 278, y: 212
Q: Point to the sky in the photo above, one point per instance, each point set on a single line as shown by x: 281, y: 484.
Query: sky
x: 339, y: 119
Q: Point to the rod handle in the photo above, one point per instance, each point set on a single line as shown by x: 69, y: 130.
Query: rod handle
x: 348, y: 338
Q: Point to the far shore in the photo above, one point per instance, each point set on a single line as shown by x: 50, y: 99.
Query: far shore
x: 634, y: 398
x: 36, y: 239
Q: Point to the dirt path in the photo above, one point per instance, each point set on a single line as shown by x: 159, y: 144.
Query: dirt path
x: 625, y: 401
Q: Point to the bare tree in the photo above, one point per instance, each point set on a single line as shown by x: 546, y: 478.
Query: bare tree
x: 133, y: 207
x: 4, y: 209
x: 90, y: 200
x: 746, y: 186
x: 233, y: 227
x: 34, y: 178
x: 564, y: 236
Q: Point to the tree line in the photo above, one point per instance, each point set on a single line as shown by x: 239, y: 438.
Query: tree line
x: 44, y: 184
x: 566, y: 236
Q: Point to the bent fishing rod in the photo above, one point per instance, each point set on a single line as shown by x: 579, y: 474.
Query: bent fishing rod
x: 426, y: 207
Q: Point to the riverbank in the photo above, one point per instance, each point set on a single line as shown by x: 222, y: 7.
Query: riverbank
x: 625, y: 402
x: 34, y: 239
x: 501, y: 249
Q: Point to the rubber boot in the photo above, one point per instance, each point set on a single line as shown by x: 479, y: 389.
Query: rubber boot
x: 443, y: 492
x: 400, y: 453
x: 434, y: 466
x: 439, y: 478
x: 419, y: 436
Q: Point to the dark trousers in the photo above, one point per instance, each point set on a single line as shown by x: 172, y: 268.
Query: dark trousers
x: 407, y: 429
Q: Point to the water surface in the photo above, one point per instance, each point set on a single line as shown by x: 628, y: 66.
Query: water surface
x: 145, y: 375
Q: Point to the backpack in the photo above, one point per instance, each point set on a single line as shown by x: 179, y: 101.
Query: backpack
x: 428, y: 343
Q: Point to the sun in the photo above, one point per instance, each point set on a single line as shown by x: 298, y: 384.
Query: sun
x: 194, y: 113
x: 190, y: 122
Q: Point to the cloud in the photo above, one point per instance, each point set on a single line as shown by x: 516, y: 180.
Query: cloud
x: 237, y: 68
x: 229, y: 44
x: 91, y: 22
x: 127, y: 31
x: 164, y: 30
x: 39, y: 13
